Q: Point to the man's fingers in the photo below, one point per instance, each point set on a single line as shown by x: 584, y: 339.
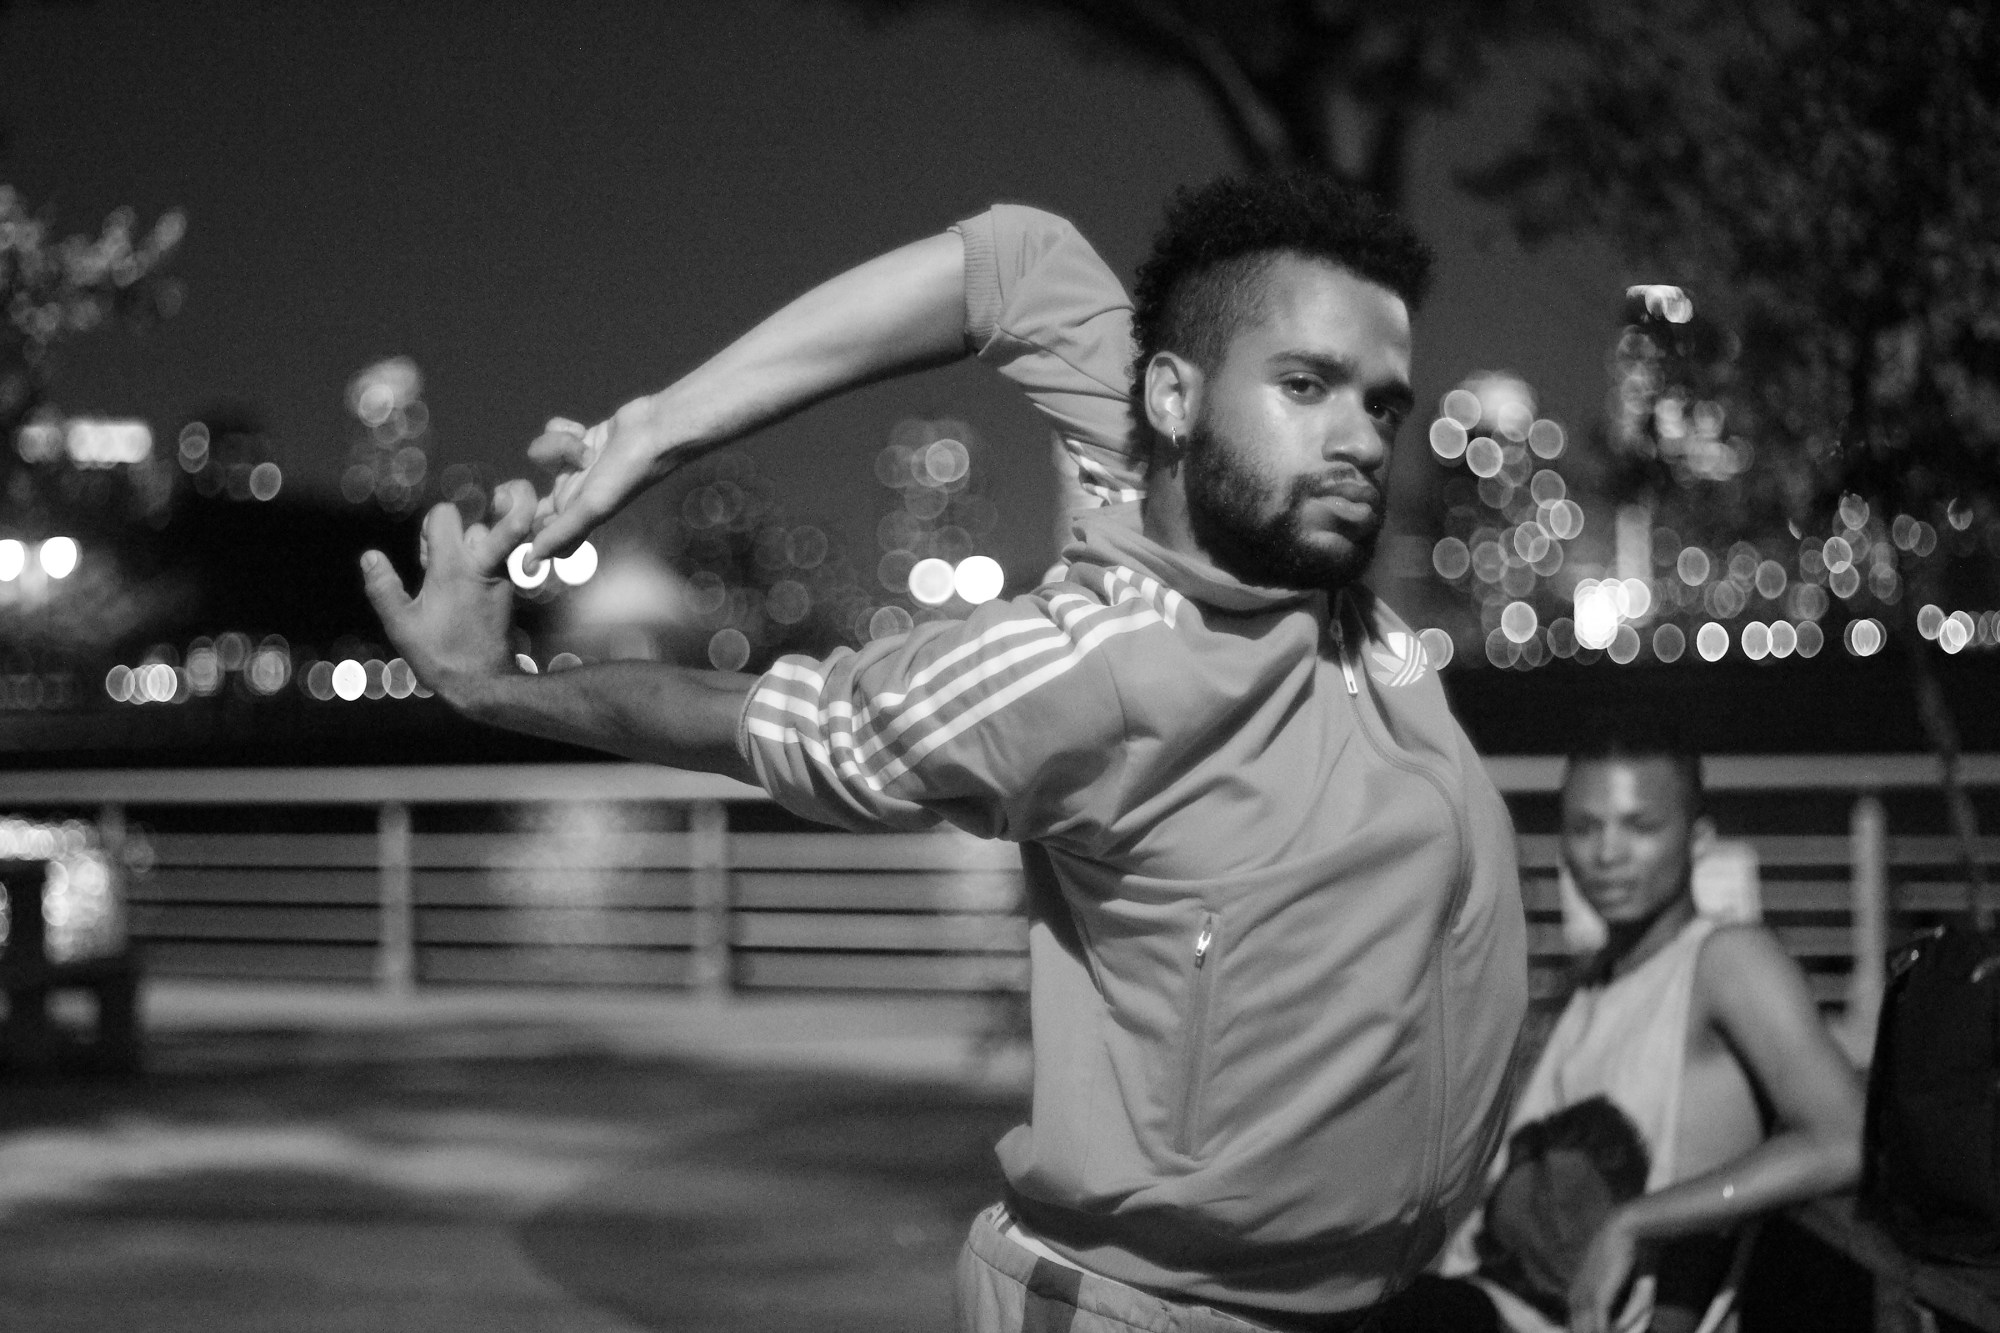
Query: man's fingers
x: 563, y: 445
x: 514, y: 518
x: 384, y: 587
x: 562, y: 534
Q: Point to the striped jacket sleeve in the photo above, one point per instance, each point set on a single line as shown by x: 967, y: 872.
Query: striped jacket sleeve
x: 1045, y: 311
x: 1000, y: 724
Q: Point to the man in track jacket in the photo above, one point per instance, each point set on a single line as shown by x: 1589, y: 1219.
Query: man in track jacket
x: 1277, y: 952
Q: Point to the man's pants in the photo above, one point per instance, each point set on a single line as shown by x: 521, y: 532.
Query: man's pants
x: 1005, y: 1288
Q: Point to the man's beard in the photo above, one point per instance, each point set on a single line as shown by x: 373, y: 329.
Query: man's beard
x: 1227, y: 499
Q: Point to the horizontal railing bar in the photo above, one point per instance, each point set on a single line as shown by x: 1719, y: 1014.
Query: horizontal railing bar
x: 437, y: 784
x: 423, y: 784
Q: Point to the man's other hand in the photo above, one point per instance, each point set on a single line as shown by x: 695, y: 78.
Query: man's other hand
x: 453, y: 632
x: 598, y: 471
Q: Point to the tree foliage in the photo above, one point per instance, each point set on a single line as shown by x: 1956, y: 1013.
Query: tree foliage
x: 52, y: 291
x: 1338, y: 84
x: 1823, y: 180
x: 1826, y: 179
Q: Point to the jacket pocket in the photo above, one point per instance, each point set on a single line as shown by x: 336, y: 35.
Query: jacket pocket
x: 1194, y: 1037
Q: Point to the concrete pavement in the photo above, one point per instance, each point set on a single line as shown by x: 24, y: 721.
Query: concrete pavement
x: 325, y: 1158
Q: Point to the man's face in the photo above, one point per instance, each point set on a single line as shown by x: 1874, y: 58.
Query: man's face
x: 1628, y: 836
x: 1288, y: 455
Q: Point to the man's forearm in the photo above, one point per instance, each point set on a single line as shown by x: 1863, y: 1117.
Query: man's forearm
x: 643, y: 710
x: 899, y: 312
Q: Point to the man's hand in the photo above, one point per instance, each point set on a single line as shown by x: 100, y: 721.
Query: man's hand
x: 454, y: 631
x: 598, y: 471
x: 1602, y: 1277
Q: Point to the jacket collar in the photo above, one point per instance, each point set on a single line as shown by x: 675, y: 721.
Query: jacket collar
x: 1113, y: 536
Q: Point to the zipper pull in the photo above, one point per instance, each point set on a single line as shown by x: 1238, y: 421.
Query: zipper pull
x: 1201, y: 943
x: 1334, y: 628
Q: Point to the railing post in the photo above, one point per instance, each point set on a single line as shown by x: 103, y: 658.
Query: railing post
x: 396, y: 944
x: 1868, y: 838
x: 708, y: 828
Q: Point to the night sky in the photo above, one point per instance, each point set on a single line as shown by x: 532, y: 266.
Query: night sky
x: 555, y: 208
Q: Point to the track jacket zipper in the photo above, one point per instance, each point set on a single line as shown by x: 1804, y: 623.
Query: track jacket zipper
x: 1195, y: 1036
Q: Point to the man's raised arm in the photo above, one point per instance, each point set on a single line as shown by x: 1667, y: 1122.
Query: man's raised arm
x: 899, y: 312
x: 1019, y: 288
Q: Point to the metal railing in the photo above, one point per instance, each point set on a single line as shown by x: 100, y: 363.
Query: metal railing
x: 700, y: 904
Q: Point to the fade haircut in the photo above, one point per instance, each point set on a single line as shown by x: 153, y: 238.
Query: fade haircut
x: 1635, y: 736
x: 1204, y: 279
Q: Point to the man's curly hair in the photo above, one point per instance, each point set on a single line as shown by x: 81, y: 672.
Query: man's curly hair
x: 1202, y: 281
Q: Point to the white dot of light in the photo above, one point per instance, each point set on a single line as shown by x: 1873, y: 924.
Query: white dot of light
x: 269, y: 669
x: 1518, y: 622
x: 1769, y: 579
x: 118, y: 683
x: 1664, y: 300
x: 1483, y: 457
x: 1853, y: 511
x: 1864, y: 638
x: 1462, y: 406
x: 946, y: 461
x: 1845, y: 582
x: 1669, y: 643
x: 1566, y: 520
x: 577, y: 566
x: 318, y: 681
x: 58, y: 557
x: 1546, y: 438
x: 349, y: 680
x: 265, y: 480
x: 1930, y: 620
x: 1562, y: 636
x: 1756, y: 640
x: 1530, y: 542
x: 1808, y: 600
x: 1624, y: 645
x: 527, y: 665
x: 1547, y: 487
x: 1636, y: 599
x: 788, y: 601
x: 204, y: 670
x: 1711, y: 641
x: 517, y: 568
x: 1502, y: 651
x: 1784, y: 638
x: 888, y: 622
x: 162, y: 683
x: 979, y: 578
x: 1811, y: 639
x: 1450, y: 558
x: 1596, y: 615
x: 931, y: 581
x: 374, y: 671
x: 560, y: 662
x: 728, y: 649
x: 1438, y: 648
x: 401, y: 681
x: 1956, y: 632
x: 13, y: 559
x: 1837, y: 554
x: 1448, y: 439
x: 1926, y: 539
x: 1903, y: 532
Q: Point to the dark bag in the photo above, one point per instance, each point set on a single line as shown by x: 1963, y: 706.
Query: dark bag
x: 1930, y: 1172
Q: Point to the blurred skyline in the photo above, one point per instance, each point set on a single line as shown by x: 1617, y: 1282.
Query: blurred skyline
x: 553, y: 211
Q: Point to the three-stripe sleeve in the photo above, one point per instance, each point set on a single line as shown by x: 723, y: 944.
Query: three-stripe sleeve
x: 994, y: 723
